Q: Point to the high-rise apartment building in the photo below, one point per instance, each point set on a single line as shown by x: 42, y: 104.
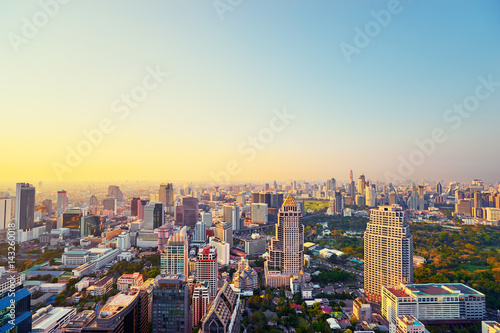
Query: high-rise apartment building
x: 174, y: 257
x: 25, y: 206
x: 231, y: 214
x: 201, y: 301
x: 207, y: 268
x: 388, y: 250
x: 286, y: 253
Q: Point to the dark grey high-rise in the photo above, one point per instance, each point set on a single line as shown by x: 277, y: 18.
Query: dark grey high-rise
x: 171, y: 312
x: 25, y: 206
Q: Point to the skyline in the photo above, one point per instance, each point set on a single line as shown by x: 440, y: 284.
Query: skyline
x: 229, y: 78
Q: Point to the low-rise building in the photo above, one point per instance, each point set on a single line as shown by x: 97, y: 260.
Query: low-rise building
x: 407, y: 324
x: 127, y: 280
x: 101, y: 287
x: 362, y: 310
x: 49, y: 320
x: 490, y: 327
x: 433, y: 303
x: 75, y: 257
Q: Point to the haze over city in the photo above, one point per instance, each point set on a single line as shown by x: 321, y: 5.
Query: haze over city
x: 357, y: 102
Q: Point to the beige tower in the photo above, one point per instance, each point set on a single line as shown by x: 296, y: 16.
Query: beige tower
x: 286, y: 253
x: 388, y: 250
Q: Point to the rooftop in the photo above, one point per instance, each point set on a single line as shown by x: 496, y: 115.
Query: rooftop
x: 47, y: 319
x: 118, y: 303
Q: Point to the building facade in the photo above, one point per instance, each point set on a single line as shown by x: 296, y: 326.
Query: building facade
x: 171, y: 312
x: 388, y: 250
x: 286, y: 252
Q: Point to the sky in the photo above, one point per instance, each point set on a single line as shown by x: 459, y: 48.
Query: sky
x: 249, y: 90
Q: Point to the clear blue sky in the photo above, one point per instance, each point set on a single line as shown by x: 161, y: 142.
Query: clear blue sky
x: 226, y: 77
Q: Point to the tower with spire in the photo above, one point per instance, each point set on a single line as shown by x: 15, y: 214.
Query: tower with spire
x: 286, y: 252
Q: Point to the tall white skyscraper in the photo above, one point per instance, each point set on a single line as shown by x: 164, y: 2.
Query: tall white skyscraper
x: 174, y: 258
x: 388, y: 250
x: 207, y: 268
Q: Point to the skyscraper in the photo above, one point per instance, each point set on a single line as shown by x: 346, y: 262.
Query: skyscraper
x: 166, y: 195
x: 154, y: 215
x: 171, y: 305
x: 439, y: 188
x: 174, y: 257
x: 189, y: 212
x: 224, y: 232
x: 388, y: 250
x: 201, y: 300
x: 115, y: 192
x: 134, y: 206
x: 207, y: 268
x: 231, y: 214
x: 62, y: 202
x: 5, y: 212
x: 286, y: 253
x: 25, y: 206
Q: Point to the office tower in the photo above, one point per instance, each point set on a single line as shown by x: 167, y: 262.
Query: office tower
x: 255, y: 244
x: 20, y: 316
x: 25, y: 206
x: 154, y: 215
x: 223, y: 250
x: 255, y: 197
x: 388, y: 250
x: 115, y: 192
x: 361, y: 184
x: 179, y: 216
x: 90, y: 225
x: 5, y: 212
x: 352, y: 188
x: 134, y: 206
x: 200, y: 233
x: 259, y: 213
x: 126, y: 312
x: 224, y: 232
x: 109, y: 204
x: 413, y: 201
x: 393, y: 200
x: 276, y: 200
x: 207, y: 219
x: 331, y: 187
x: 437, y: 303
x: 174, y: 257
x: 286, y: 253
x: 189, y: 211
x: 201, y: 301
x: 123, y: 242
x: 207, y: 268
x: 224, y: 313
x: 231, y: 214
x: 337, y: 203
x: 47, y: 203
x: 166, y: 195
x: 140, y: 209
x: 94, y: 201
x: 62, y: 202
x: 478, y: 200
x: 72, y: 219
x: 439, y: 188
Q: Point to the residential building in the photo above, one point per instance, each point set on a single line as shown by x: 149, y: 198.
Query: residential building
x: 407, y: 324
x: 174, y: 257
x: 101, y: 287
x: 201, y: 301
x: 224, y: 232
x: 223, y: 250
x: 207, y: 268
x: 490, y: 327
